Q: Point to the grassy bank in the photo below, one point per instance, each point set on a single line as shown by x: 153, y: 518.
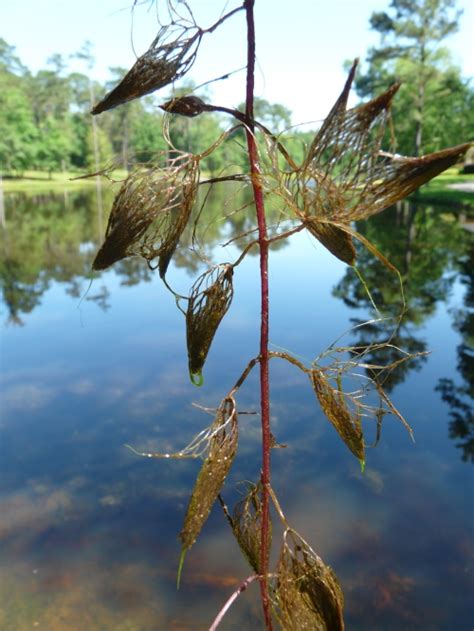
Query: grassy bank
x: 41, y: 181
x: 438, y: 191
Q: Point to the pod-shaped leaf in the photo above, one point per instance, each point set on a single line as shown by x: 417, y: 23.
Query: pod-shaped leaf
x: 396, y: 176
x: 216, y: 466
x: 188, y: 106
x: 246, y: 526
x: 334, y: 406
x: 336, y: 240
x: 332, y: 123
x: 131, y: 215
x: 211, y: 296
x: 149, y: 214
x: 164, y: 62
x: 178, y: 219
x: 346, y: 176
x: 307, y: 596
x: 356, y: 133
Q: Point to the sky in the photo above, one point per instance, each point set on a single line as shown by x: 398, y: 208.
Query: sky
x: 301, y: 44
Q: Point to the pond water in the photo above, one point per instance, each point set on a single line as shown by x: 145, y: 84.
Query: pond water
x: 88, y: 529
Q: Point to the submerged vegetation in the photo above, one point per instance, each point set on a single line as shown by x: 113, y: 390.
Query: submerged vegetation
x: 348, y: 173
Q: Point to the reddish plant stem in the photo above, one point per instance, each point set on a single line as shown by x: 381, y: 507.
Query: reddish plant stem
x: 264, y: 363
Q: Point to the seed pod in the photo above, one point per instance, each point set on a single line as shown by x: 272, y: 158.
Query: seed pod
x: 133, y: 211
x: 216, y: 466
x: 211, y: 296
x: 346, y: 176
x: 189, y: 106
x: 350, y: 131
x: 332, y: 123
x: 333, y: 404
x: 179, y: 217
x: 336, y: 240
x: 163, y: 63
x: 149, y: 214
x: 307, y: 596
x: 246, y: 526
x: 398, y: 176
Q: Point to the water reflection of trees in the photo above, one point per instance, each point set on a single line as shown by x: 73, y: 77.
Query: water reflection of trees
x: 53, y: 238
x: 460, y: 398
x: 226, y: 215
x: 44, y: 239
x: 429, y: 248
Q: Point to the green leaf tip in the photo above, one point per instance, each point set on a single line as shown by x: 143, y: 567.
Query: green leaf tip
x: 196, y: 379
x: 362, y: 465
x: 180, y: 566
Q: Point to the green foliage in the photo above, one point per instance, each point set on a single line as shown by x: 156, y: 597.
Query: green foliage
x: 106, y: 153
x: 434, y: 107
x: 146, y: 136
x: 18, y: 133
x: 45, y: 122
x: 49, y: 94
x: 9, y: 62
x: 45, y: 118
x: 275, y: 116
x: 54, y: 142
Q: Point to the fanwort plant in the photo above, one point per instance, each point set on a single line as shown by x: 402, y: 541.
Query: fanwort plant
x: 346, y: 175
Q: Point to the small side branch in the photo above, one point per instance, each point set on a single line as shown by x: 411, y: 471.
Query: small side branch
x: 242, y: 587
x: 291, y: 359
x: 243, y: 376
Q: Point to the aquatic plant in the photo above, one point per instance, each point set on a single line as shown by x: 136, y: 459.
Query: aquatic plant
x: 347, y: 174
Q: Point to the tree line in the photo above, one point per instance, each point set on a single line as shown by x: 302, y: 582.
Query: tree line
x: 45, y: 120
x: 434, y: 107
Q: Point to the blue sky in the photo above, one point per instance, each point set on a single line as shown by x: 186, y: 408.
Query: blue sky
x: 301, y: 44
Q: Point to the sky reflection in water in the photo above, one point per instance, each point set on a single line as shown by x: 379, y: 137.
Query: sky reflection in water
x: 88, y: 530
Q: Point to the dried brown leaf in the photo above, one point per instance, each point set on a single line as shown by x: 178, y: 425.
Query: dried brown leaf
x: 346, y: 176
x: 150, y: 213
x: 397, y: 176
x: 333, y: 121
x: 216, y: 466
x: 164, y: 62
x: 334, y: 406
x: 336, y: 240
x: 178, y: 220
x: 307, y: 595
x: 246, y: 526
x: 189, y: 106
x: 211, y: 296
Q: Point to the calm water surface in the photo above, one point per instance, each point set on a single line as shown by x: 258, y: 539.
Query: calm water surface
x: 88, y: 530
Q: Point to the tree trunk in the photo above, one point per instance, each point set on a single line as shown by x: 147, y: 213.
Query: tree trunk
x: 419, y: 119
x: 125, y: 146
x: 3, y: 223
